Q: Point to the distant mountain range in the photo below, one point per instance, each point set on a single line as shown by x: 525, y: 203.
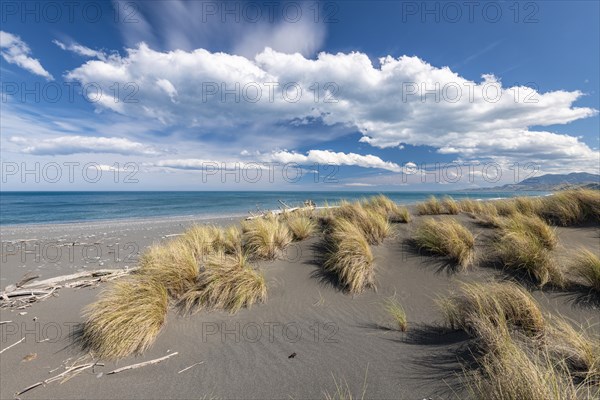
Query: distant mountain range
x: 551, y: 182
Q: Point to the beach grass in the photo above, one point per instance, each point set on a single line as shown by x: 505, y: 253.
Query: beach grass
x: 173, y: 263
x: 265, y: 238
x: 397, y: 312
x: 301, y: 226
x: 448, y: 238
x: 431, y: 206
x: 450, y: 206
x: 532, y: 226
x: 388, y: 208
x: 586, y: 266
x: 374, y: 225
x: 349, y: 257
x: 126, y: 319
x: 498, y: 304
x: 226, y: 282
x: 520, y: 251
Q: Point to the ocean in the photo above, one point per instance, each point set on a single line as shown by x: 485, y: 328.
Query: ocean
x: 63, y: 207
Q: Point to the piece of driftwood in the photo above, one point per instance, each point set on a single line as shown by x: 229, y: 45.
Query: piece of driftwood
x: 11, y: 346
x: 191, y: 366
x: 142, y: 364
x: 65, y: 376
x: 21, y: 295
x: 308, y: 205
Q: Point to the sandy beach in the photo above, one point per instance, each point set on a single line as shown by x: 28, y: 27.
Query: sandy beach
x: 307, y: 338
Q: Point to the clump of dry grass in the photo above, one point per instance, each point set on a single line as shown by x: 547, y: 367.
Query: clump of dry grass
x: 447, y: 238
x: 528, y: 205
x: 495, y: 304
x: 450, y: 206
x: 397, y: 312
x: 349, y: 256
x: 231, y: 240
x: 470, y: 206
x: 431, y: 206
x: 386, y: 207
x: 579, y: 349
x: 374, y: 225
x: 227, y: 282
x: 533, y: 226
x: 265, y: 238
x: 520, y: 251
x: 301, y: 226
x: 202, y: 239
x: 586, y: 266
x: 571, y: 207
x: 173, y: 263
x: 126, y: 319
x: 505, y: 208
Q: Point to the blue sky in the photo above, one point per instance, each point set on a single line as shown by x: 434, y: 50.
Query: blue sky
x: 396, y: 95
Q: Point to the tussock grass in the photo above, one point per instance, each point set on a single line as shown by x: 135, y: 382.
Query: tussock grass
x: 478, y: 306
x: 520, y: 251
x: 397, y: 312
x: 173, y: 263
x: 579, y: 349
x: 532, y: 226
x: 431, y: 206
x: 265, y: 238
x: 450, y: 206
x: 586, y: 267
x: 374, y: 225
x: 571, y: 207
x: 301, y: 226
x: 349, y: 256
x: 446, y: 238
x: 528, y: 205
x: 202, y: 239
x: 470, y: 206
x: 227, y: 282
x: 126, y: 319
x: 505, y: 208
x: 231, y: 240
x: 386, y: 207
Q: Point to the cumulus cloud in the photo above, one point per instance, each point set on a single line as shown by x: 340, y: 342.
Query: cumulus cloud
x: 15, y: 51
x: 64, y: 145
x: 400, y: 101
x: 327, y: 157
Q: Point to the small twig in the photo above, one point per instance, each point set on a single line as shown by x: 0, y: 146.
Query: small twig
x: 5, y: 322
x: 73, y: 371
x: 12, y: 345
x: 193, y: 365
x: 142, y: 364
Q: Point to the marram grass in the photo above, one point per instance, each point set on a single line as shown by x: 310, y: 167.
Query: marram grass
x: 349, y: 257
x: 126, y: 319
x: 586, y: 266
x: 448, y: 238
x: 265, y: 238
x: 301, y: 226
x: 397, y: 312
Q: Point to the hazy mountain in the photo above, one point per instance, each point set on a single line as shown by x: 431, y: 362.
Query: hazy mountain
x: 551, y: 182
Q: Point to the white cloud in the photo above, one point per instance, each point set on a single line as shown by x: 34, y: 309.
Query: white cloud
x: 65, y: 145
x: 388, y: 104
x: 81, y: 50
x: 327, y: 157
x: 358, y: 184
x: 15, y: 51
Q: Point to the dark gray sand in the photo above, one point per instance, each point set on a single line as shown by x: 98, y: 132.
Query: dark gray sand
x: 334, y: 336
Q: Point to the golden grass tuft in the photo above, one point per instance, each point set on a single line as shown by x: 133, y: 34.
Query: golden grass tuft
x: 126, y: 319
x: 446, y: 237
x: 528, y: 205
x: 450, y: 206
x: 227, y: 282
x: 349, y: 256
x: 231, y: 240
x: 202, y: 239
x: 497, y: 304
x: 586, y: 266
x: 173, y: 263
x: 431, y: 206
x: 374, y: 225
x: 397, y: 312
x: 386, y: 207
x: 505, y: 208
x: 301, y: 226
x: 520, y: 251
x: 265, y: 238
x: 571, y: 207
x: 532, y: 226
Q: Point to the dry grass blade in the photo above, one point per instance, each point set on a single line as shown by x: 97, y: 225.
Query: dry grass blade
x: 430, y: 207
x: 586, y: 267
x: 397, y: 312
x: 301, y: 226
x: 265, y: 238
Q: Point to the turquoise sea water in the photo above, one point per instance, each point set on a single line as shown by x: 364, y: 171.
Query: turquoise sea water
x: 60, y: 207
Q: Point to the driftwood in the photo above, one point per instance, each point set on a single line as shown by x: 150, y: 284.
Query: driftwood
x: 65, y: 376
x: 191, y: 366
x: 308, y: 205
x: 12, y: 345
x: 142, y: 364
x: 24, y: 293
